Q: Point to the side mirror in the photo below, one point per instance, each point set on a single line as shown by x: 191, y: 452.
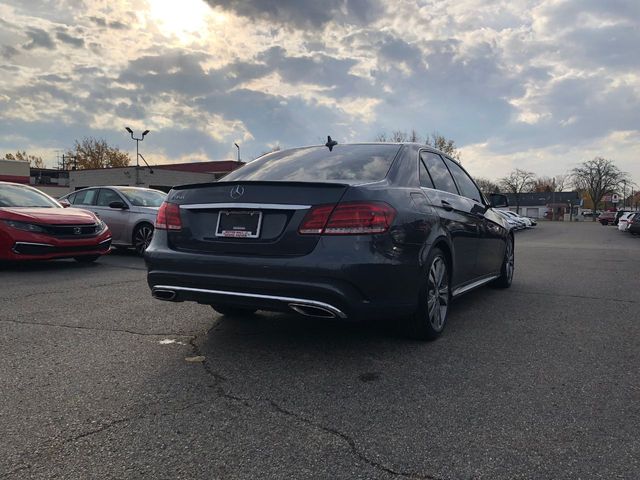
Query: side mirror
x: 64, y: 202
x: 118, y: 204
x: 498, y: 200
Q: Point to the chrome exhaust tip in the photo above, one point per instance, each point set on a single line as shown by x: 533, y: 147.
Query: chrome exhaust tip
x: 162, y: 294
x: 311, y: 310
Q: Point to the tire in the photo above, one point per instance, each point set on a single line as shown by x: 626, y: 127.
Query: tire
x: 233, y: 311
x: 87, y: 258
x: 508, y: 267
x: 142, y: 236
x: 430, y: 318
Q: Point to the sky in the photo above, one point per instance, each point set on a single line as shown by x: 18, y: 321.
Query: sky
x: 537, y: 85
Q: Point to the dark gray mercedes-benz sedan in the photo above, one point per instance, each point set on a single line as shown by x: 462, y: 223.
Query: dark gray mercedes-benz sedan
x: 355, y: 231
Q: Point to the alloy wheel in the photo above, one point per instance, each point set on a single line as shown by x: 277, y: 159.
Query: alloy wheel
x: 509, y: 261
x: 142, y: 238
x: 437, y: 293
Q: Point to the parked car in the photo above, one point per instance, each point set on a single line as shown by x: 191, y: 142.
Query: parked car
x: 130, y: 212
x: 357, y: 231
x: 606, y: 218
x: 619, y: 215
x: 34, y: 226
x: 623, y: 220
x: 525, y: 220
x: 634, y: 224
x: 514, y: 222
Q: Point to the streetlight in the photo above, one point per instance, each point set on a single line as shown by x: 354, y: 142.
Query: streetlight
x: 238, y: 147
x: 138, y: 155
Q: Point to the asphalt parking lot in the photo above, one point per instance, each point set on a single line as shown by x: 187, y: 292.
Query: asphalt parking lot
x: 539, y: 381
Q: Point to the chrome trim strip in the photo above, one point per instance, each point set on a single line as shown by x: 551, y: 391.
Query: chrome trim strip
x: 311, y: 303
x: 34, y: 243
x: 254, y: 206
x: 471, y: 286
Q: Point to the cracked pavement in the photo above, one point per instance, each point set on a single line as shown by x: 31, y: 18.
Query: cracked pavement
x: 539, y: 381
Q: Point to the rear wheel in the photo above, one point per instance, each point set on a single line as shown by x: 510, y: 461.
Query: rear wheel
x: 233, y: 311
x: 87, y: 258
x: 142, y: 236
x: 429, y: 320
x: 508, y: 266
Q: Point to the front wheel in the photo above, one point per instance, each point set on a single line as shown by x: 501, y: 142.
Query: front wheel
x: 508, y: 266
x: 142, y: 237
x: 429, y: 320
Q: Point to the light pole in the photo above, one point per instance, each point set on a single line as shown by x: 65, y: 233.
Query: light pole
x: 238, y: 147
x: 138, y: 140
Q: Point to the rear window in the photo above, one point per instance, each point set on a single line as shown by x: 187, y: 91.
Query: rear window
x: 349, y: 163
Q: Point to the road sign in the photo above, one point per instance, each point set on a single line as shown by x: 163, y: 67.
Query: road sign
x: 615, y: 198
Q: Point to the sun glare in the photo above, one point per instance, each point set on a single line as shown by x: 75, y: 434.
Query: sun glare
x: 183, y: 18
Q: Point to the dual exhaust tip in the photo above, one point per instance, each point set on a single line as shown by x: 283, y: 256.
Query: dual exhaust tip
x: 305, y: 309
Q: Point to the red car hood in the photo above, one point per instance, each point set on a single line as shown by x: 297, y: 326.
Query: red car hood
x: 51, y: 216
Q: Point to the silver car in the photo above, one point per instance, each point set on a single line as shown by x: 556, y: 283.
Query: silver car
x: 130, y: 212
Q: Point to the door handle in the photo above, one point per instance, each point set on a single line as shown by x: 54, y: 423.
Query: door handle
x: 446, y: 205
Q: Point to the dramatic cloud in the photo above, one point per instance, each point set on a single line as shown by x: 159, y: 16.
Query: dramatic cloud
x: 535, y: 84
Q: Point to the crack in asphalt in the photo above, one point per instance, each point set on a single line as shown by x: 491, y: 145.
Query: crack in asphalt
x: 54, y: 449
x: 96, y: 329
x: 221, y: 391
x: 584, y: 297
x: 39, y: 294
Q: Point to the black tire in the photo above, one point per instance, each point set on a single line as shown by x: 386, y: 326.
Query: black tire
x: 87, y: 258
x: 508, y: 266
x: 429, y: 320
x: 142, y: 236
x: 233, y: 311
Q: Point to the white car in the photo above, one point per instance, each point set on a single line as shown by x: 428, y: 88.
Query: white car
x: 623, y: 221
x: 518, y: 218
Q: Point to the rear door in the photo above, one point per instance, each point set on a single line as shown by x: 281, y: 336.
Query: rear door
x: 85, y: 199
x: 456, y: 215
x: 266, y: 216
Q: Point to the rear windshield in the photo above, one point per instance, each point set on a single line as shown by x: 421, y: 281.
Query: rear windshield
x: 17, y: 196
x: 349, y: 163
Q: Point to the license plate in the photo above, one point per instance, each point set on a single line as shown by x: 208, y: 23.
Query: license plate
x: 239, y: 224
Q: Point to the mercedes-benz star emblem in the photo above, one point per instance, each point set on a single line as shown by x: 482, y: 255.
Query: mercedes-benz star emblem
x: 237, y: 191
x: 77, y: 230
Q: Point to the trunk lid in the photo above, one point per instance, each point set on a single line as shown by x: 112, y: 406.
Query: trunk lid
x: 272, y: 211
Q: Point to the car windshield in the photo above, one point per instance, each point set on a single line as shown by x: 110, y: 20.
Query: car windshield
x: 22, y: 196
x: 347, y: 163
x: 143, y: 198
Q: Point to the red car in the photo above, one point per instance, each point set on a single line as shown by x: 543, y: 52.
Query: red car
x: 34, y: 226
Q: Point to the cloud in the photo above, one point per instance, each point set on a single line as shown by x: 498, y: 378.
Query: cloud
x: 70, y: 40
x: 38, y: 38
x: 301, y: 14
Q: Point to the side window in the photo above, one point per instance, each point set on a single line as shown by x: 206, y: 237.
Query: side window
x: 439, y: 172
x: 425, y: 179
x: 71, y: 198
x: 106, y: 196
x: 85, y: 197
x: 465, y: 184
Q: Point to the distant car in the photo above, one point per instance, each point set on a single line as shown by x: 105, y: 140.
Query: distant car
x: 34, y: 226
x: 634, y: 224
x: 515, y: 222
x: 606, y: 218
x: 623, y: 222
x: 619, y: 215
x: 130, y: 212
x: 528, y: 223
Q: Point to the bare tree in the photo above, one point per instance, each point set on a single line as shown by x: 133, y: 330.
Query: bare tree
x: 93, y: 152
x: 597, y: 178
x: 487, y: 186
x: 443, y: 144
x: 34, y: 160
x: 517, y: 182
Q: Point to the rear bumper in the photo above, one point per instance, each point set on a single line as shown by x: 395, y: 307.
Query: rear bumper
x: 326, y: 283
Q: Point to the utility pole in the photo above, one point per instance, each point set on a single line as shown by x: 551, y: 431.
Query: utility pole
x: 138, y: 140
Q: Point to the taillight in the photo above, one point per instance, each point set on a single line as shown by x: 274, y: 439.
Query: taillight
x: 169, y: 217
x: 349, y: 218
